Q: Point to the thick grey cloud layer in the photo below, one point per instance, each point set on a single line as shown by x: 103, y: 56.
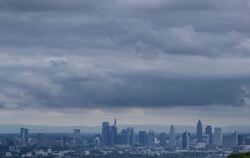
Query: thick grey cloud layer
x: 124, y: 53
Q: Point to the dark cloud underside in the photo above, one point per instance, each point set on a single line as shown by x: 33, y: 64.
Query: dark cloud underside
x: 124, y: 53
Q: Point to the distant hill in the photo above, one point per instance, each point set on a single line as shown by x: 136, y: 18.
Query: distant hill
x: 241, y: 155
x: 15, y: 128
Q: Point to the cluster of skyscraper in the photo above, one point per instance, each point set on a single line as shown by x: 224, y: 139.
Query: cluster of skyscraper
x: 207, y: 138
x: 110, y: 136
x: 210, y: 139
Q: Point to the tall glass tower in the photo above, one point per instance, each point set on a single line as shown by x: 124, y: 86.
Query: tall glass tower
x: 172, y: 136
x: 199, y: 132
x: 105, y: 133
x: 209, y: 132
x: 24, y: 136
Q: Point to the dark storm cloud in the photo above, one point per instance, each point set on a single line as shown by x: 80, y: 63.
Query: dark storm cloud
x: 124, y: 53
x: 47, y: 5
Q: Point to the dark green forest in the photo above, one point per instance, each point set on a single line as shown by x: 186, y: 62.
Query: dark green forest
x: 241, y: 155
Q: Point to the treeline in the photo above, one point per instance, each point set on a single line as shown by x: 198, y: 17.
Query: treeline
x: 241, y: 155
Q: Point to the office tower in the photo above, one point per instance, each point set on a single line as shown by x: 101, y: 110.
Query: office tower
x: 217, y: 136
x: 209, y: 132
x: 113, y: 134
x: 130, y: 138
x: 230, y: 140
x: 143, y: 138
x: 24, y: 136
x: 151, y: 138
x: 241, y: 139
x: 123, y: 137
x: 199, y: 132
x: 234, y: 139
x: 172, y: 136
x: 186, y: 140
x: 227, y: 141
x: 63, y: 141
x: 163, y: 139
x: 77, y: 137
x: 247, y: 140
x: 105, y: 134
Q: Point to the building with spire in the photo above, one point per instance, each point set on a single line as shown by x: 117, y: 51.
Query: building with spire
x: 113, y: 134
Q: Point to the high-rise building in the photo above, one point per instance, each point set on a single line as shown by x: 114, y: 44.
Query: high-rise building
x: 109, y: 134
x: 105, y: 134
x: 186, y: 140
x: 24, y: 136
x: 241, y: 139
x: 143, y: 138
x: 247, y: 140
x: 163, y: 139
x: 199, y: 132
x: 151, y: 138
x: 77, y: 137
x: 217, y: 136
x: 172, y: 136
x: 209, y: 132
x: 63, y: 141
x: 130, y: 137
x: 113, y: 134
x: 230, y: 141
x: 123, y: 137
x: 227, y: 141
x: 234, y: 139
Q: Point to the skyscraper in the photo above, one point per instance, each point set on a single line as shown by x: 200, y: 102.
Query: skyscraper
x: 209, y: 132
x: 217, y: 136
x: 234, y: 139
x: 130, y: 138
x: 247, y: 140
x: 163, y: 139
x: 172, y: 136
x: 241, y: 139
x: 186, y: 140
x: 227, y: 141
x: 124, y: 137
x: 199, y: 131
x: 24, y: 136
x: 151, y: 138
x: 77, y: 137
x: 113, y: 134
x: 230, y: 141
x: 143, y: 138
x: 63, y: 142
x: 105, y: 134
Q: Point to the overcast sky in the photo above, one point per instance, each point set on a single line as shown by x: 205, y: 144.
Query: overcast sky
x: 80, y: 62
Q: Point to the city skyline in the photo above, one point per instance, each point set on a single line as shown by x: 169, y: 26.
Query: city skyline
x: 124, y: 78
x: 111, y: 140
